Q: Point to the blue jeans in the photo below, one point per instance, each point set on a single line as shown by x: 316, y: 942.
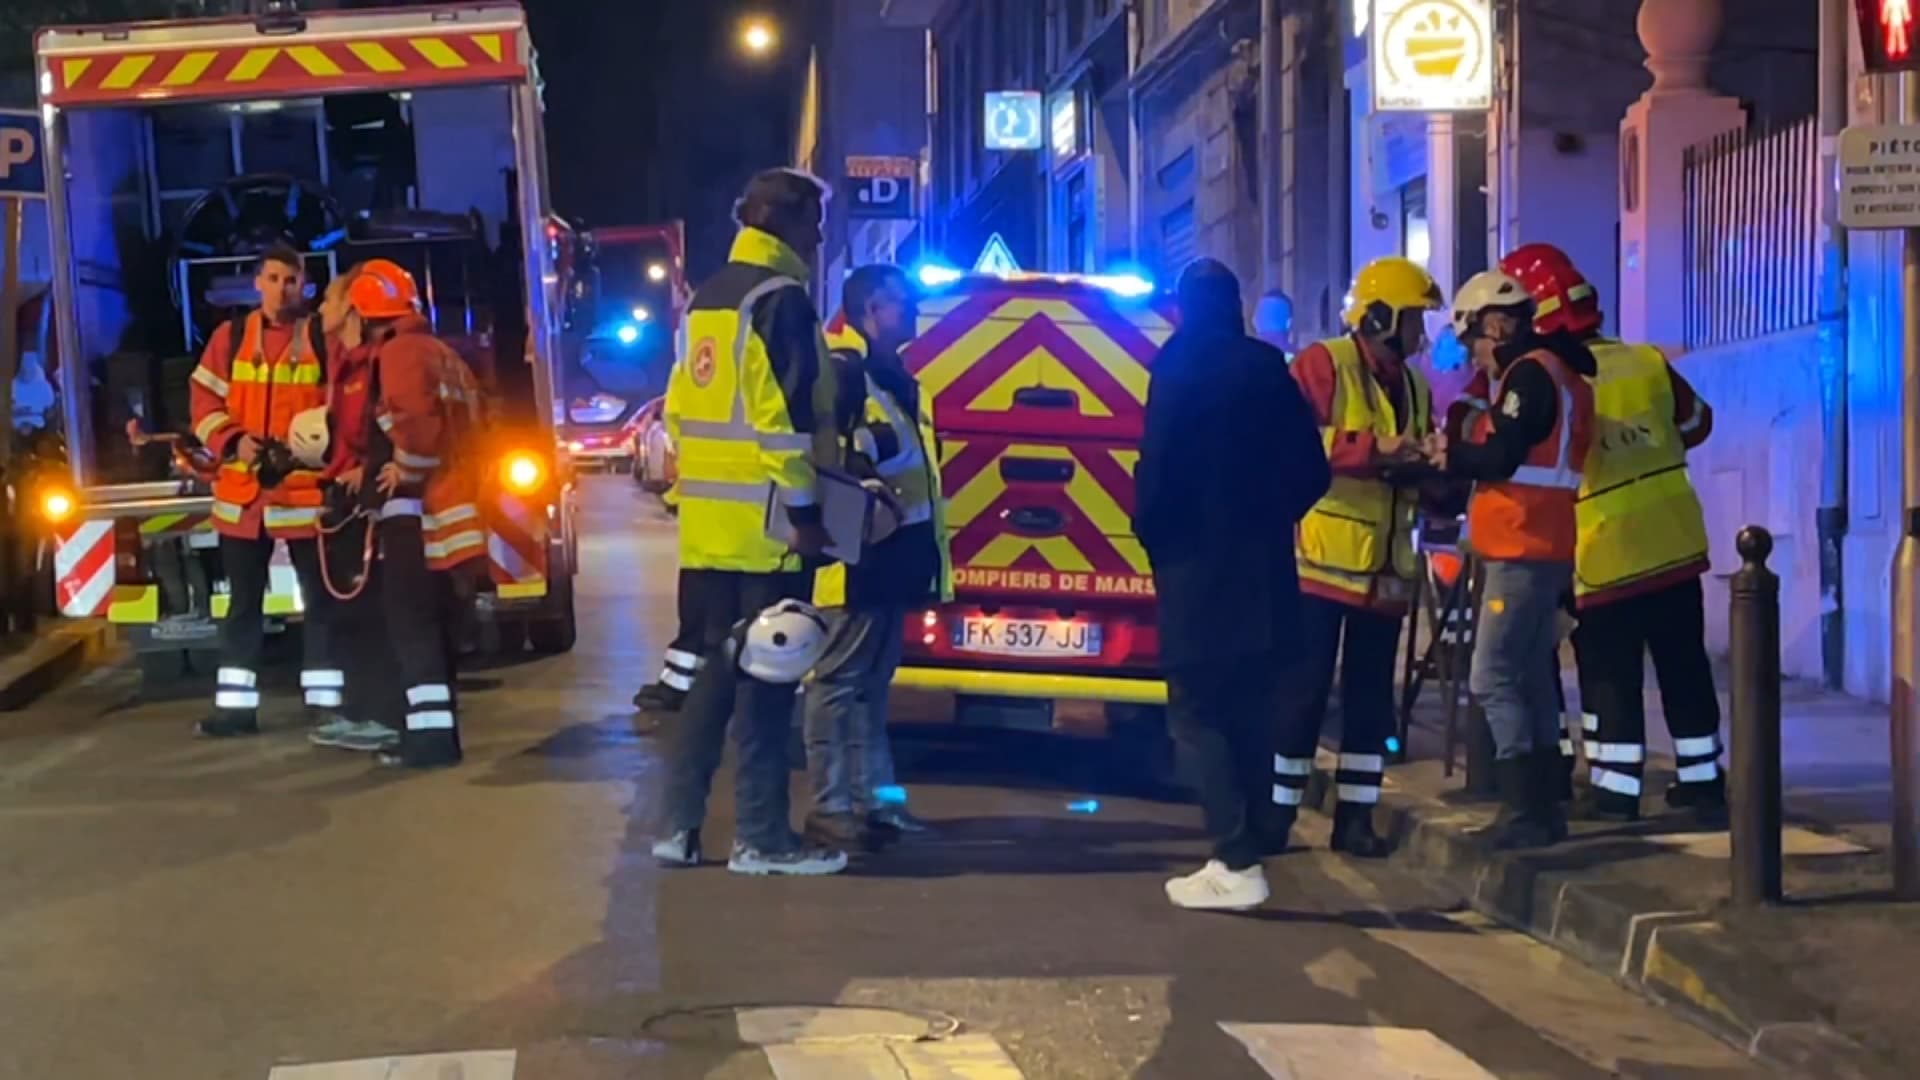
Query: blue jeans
x: 848, y: 755
x: 1514, y: 675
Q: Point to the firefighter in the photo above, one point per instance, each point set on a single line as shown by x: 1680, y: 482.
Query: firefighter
x: 1642, y: 549
x: 1525, y: 455
x: 1229, y: 463
x: 256, y: 375
x: 423, y: 498
x: 1355, y: 547
x: 750, y: 407
x: 891, y: 445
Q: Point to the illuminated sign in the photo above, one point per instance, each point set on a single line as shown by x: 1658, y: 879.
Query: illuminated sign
x: 996, y: 258
x: 1064, y: 125
x: 1432, y: 55
x: 1889, y: 34
x: 1013, y: 120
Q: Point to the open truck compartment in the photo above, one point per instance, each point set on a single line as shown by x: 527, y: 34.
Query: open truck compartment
x: 183, y: 149
x: 1038, y: 388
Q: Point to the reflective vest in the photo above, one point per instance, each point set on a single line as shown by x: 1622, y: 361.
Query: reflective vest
x: 737, y: 445
x: 912, y: 474
x: 1529, y: 517
x: 1358, y: 539
x: 261, y: 395
x: 1638, y: 514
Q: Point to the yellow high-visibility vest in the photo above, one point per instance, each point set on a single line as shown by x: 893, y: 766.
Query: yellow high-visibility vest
x: 1637, y: 514
x: 737, y: 445
x: 912, y: 474
x: 1361, y: 532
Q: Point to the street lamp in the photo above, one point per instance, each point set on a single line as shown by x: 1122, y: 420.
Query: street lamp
x: 757, y: 36
x: 656, y: 272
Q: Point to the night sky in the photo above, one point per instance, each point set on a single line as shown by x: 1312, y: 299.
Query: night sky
x: 654, y: 112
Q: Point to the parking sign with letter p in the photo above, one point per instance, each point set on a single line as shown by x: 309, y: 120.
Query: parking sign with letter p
x: 22, y: 166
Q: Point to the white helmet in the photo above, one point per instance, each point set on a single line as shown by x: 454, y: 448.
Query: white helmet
x: 1485, y: 291
x: 307, y: 437
x: 784, y: 642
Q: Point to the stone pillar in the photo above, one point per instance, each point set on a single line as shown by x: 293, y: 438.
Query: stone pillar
x: 1678, y: 111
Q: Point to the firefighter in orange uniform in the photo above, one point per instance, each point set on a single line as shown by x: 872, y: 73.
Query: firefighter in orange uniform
x: 424, y: 498
x: 256, y: 375
x: 1525, y: 457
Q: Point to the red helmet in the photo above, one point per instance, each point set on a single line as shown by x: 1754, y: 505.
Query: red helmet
x: 1563, y: 299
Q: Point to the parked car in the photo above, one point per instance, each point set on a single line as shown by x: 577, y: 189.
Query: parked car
x: 652, y: 448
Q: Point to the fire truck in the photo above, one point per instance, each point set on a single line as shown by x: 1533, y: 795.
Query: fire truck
x: 177, y: 152
x: 632, y: 291
x: 1038, y: 386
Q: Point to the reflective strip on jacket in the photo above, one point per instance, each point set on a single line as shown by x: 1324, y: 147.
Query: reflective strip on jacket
x: 242, y: 391
x: 1357, y: 542
x: 1639, y: 517
x: 1530, y: 515
x: 912, y: 473
x: 429, y: 409
x: 738, y: 444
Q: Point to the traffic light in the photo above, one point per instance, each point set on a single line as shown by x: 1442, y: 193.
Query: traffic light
x: 1889, y: 34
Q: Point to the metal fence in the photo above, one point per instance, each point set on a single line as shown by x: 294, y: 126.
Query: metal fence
x: 1752, y: 234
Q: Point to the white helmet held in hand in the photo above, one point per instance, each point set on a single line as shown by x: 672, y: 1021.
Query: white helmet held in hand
x: 307, y: 437
x: 784, y: 642
x: 1486, y: 291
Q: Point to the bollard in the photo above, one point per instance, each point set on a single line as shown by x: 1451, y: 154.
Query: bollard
x: 1754, y: 781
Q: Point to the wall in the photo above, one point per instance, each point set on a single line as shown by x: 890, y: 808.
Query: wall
x: 1551, y: 182
x: 1756, y: 469
x: 1873, y: 460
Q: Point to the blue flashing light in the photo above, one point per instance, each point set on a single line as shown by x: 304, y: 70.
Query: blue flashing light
x: 890, y: 795
x: 642, y: 314
x: 936, y: 275
x: 1393, y: 744
x: 628, y: 333
x: 1084, y: 806
x: 1131, y: 286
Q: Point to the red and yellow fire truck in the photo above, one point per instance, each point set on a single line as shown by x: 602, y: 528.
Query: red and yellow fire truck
x: 412, y: 134
x: 1038, y: 385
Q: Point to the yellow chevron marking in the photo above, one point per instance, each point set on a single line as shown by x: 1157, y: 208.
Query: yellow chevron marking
x: 963, y: 354
x: 161, y: 523
x: 375, y: 56
x: 437, y: 52
x: 126, y: 72
x: 489, y: 44
x: 1126, y: 371
x: 1039, y: 368
x: 71, y: 70
x: 315, y: 61
x: 1002, y: 550
x: 1128, y: 459
x: 251, y: 65
x: 188, y: 69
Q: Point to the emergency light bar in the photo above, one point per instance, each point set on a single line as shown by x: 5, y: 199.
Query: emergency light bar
x: 1129, y: 286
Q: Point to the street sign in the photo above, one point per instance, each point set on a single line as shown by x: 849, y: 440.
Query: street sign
x: 1432, y: 55
x: 1880, y: 177
x: 23, y: 171
x: 996, y: 258
x: 881, y: 187
x: 1013, y: 120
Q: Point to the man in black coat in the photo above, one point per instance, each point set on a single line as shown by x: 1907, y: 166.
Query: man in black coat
x: 1230, y: 462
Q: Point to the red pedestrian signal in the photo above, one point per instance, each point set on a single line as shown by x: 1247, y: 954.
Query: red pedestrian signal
x: 1889, y: 34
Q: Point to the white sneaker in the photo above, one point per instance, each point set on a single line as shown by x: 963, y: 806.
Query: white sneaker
x: 1215, y: 888
x: 798, y: 862
x: 680, y: 849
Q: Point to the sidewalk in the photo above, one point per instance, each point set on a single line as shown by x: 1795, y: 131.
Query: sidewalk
x: 32, y: 664
x: 1823, y: 986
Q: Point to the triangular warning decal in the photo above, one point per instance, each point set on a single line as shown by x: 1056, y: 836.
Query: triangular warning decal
x: 996, y: 258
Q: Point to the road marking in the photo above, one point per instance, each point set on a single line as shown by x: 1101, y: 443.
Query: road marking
x: 466, y: 1065
x: 58, y: 752
x: 961, y: 1057
x: 1316, y: 1051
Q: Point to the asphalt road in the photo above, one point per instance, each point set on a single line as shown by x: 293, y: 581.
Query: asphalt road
x: 176, y: 908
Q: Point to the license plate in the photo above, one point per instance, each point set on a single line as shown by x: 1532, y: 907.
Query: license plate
x: 1026, y: 637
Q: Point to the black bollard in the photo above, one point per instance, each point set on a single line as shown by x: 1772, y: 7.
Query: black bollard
x: 1754, y: 782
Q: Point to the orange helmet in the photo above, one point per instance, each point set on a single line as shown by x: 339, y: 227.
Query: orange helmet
x: 383, y: 290
x: 1563, y: 299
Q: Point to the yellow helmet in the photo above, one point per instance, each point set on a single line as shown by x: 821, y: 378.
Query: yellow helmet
x: 1386, y: 287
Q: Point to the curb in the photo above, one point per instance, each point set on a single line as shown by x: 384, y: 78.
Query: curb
x: 1685, y: 959
x: 56, y: 653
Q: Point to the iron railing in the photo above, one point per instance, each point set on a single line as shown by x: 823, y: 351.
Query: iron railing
x: 1752, y: 243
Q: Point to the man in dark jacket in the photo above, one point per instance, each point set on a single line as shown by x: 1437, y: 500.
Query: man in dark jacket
x: 1230, y: 462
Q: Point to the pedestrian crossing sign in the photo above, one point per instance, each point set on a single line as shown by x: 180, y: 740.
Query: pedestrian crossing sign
x: 996, y: 258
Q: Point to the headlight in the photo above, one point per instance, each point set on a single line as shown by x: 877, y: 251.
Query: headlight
x: 522, y: 473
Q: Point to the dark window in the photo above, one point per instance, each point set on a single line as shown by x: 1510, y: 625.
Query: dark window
x: 1177, y: 175
x: 1177, y: 237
